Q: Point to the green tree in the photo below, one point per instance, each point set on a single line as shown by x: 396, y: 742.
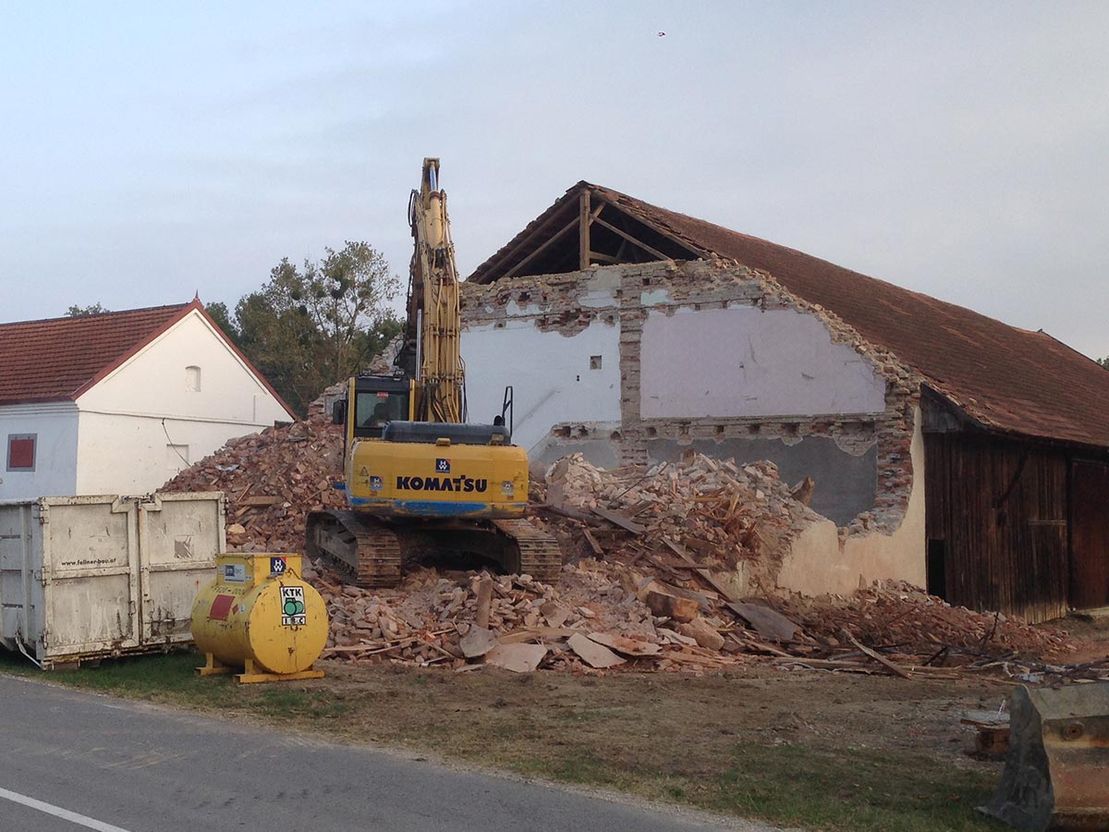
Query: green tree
x: 1104, y: 362
x: 312, y: 325
x: 84, y: 311
x: 220, y: 314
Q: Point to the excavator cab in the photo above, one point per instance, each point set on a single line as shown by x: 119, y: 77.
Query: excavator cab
x: 378, y: 400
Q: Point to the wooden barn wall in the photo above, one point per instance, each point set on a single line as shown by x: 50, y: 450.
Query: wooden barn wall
x: 1089, y: 534
x: 996, y: 512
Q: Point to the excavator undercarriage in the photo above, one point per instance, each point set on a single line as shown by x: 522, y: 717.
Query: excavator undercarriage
x: 375, y: 552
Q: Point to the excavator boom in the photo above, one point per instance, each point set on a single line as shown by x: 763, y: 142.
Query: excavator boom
x: 433, y: 305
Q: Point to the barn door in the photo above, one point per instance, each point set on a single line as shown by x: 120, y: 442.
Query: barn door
x: 1089, y: 560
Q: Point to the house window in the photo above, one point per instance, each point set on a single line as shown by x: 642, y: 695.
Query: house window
x: 21, y: 451
x: 192, y: 379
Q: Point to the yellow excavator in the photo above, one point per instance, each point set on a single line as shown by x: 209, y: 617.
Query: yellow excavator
x: 421, y: 483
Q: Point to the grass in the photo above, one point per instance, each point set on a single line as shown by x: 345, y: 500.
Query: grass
x: 817, y: 751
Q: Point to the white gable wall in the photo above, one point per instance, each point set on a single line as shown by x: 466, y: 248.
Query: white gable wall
x: 138, y: 422
x: 55, y: 427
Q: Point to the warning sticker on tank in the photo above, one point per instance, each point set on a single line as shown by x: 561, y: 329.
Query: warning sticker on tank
x: 234, y: 572
x: 292, y: 607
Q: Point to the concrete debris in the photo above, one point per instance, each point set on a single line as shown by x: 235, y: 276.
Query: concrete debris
x: 477, y: 642
x: 703, y: 633
x: 768, y: 623
x: 592, y: 653
x: 519, y: 658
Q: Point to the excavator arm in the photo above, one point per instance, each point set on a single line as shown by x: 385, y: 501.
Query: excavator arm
x: 434, y: 318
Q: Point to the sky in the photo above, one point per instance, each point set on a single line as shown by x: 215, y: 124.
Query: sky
x: 149, y: 151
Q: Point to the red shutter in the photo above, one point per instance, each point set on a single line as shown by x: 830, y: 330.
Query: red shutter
x: 21, y: 452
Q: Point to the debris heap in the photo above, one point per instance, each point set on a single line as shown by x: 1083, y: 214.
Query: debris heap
x: 650, y: 581
x: 271, y: 480
x: 698, y: 508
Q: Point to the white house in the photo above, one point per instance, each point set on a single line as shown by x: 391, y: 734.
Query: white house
x: 118, y: 403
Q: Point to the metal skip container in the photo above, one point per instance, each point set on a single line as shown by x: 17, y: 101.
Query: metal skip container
x: 1056, y: 774
x: 259, y: 615
x: 83, y: 578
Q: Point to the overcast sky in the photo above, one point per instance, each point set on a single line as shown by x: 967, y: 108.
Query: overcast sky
x: 150, y: 150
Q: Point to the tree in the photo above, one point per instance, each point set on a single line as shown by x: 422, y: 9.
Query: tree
x: 219, y: 313
x: 316, y: 324
x: 343, y: 296
x: 84, y: 311
x: 1104, y: 362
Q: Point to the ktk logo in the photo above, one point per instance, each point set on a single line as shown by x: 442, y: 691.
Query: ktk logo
x: 442, y: 466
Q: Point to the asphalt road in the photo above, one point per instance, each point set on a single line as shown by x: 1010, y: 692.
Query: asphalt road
x: 71, y: 760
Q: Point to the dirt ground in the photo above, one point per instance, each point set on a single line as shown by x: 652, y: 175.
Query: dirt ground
x: 641, y: 711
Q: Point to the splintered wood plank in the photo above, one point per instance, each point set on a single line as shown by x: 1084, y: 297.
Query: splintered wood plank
x: 768, y: 623
x: 484, y: 601
x: 705, y: 574
x: 621, y: 520
x: 598, y: 550
x: 878, y: 657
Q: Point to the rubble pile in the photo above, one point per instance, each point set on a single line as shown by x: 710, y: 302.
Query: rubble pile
x: 696, y: 509
x: 660, y: 570
x: 271, y: 480
x: 441, y: 618
x: 901, y: 617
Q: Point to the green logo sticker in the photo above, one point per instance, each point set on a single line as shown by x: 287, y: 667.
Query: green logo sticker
x: 293, y: 612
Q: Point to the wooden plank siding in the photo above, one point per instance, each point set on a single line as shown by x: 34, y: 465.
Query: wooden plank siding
x: 996, y: 513
x: 1089, y: 493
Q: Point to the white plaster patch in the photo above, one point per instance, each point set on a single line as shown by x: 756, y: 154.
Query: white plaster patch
x: 550, y: 373
x: 742, y: 361
x: 654, y: 297
x: 514, y: 309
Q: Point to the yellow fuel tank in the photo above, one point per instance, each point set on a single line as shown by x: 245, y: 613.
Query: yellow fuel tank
x: 259, y: 615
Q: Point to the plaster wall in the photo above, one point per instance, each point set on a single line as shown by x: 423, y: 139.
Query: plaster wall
x: 134, y: 454
x: 820, y: 560
x: 156, y: 382
x: 55, y: 426
x: 743, y: 361
x: 556, y: 378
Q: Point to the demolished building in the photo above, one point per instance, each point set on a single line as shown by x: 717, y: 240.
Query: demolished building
x: 947, y: 449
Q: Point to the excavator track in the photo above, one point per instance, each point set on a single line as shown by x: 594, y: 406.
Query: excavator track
x: 371, y: 552
x: 367, y: 552
x: 539, y: 552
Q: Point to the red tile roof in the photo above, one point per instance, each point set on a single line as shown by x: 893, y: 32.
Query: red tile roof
x: 58, y: 359
x: 1007, y: 379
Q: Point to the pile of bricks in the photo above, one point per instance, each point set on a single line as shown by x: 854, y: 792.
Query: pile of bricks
x: 271, y: 480
x: 717, y: 510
